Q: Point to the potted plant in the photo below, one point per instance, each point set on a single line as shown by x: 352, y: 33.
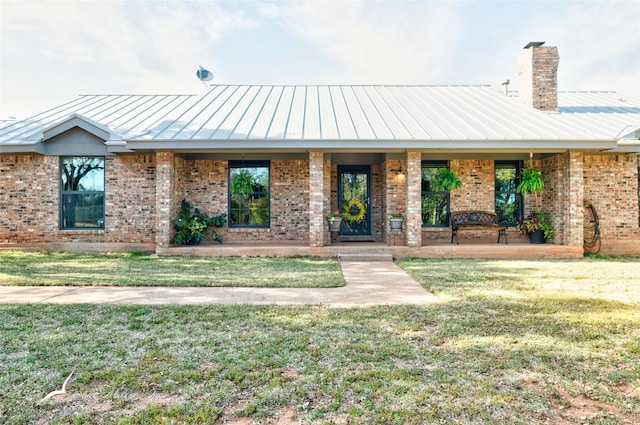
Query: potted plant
x: 191, y: 227
x: 395, y: 219
x: 335, y: 220
x: 535, y: 225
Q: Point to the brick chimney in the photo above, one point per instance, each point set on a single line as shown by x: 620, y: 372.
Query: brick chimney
x: 538, y: 74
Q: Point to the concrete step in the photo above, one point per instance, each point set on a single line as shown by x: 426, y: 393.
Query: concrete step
x: 366, y: 256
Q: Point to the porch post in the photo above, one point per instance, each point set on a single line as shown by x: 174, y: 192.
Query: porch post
x: 573, y: 221
x: 414, y: 190
x: 317, y: 204
x: 165, y: 195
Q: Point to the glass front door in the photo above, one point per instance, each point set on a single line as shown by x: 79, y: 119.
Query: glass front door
x: 354, y: 196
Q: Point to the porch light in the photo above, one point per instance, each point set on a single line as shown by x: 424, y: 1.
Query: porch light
x: 400, y: 174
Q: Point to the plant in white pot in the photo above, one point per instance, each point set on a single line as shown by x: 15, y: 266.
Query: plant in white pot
x: 335, y: 220
x: 395, y: 220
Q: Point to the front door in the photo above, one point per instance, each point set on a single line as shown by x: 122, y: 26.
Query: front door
x: 354, y: 196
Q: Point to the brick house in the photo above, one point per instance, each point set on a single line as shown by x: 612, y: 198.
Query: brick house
x: 108, y: 172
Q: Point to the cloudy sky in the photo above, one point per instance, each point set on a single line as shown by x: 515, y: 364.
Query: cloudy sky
x: 53, y: 51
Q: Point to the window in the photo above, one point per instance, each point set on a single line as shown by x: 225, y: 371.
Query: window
x: 82, y: 192
x: 508, y: 201
x: 435, y: 204
x: 249, y: 194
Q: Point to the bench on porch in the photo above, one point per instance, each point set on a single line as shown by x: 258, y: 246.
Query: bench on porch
x: 476, y: 220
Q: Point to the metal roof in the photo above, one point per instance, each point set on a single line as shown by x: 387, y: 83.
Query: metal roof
x: 326, y: 116
x: 605, y: 114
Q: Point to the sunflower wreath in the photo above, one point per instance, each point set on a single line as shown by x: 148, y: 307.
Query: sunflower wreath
x: 354, y: 211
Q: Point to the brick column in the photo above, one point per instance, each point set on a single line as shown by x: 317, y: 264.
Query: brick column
x: 413, y: 220
x: 573, y: 222
x: 165, y: 193
x: 318, y: 209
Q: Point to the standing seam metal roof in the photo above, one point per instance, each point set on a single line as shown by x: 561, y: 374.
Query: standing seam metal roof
x: 337, y: 113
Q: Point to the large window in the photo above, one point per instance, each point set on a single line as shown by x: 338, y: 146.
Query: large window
x: 82, y: 192
x: 508, y: 201
x: 249, y: 193
x: 435, y: 204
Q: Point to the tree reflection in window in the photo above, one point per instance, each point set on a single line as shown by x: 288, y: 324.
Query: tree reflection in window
x: 81, y: 192
x: 249, y: 194
x: 508, y: 202
x: 435, y: 203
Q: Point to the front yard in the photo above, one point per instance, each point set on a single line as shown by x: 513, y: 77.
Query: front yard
x: 512, y: 342
x: 131, y: 269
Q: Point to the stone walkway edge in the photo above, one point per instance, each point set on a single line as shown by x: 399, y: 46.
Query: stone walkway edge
x: 367, y: 283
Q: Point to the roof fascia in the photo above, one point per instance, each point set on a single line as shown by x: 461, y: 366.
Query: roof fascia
x: 368, y: 145
x: 22, y: 148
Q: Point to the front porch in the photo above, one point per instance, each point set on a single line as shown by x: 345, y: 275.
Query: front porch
x: 471, y: 248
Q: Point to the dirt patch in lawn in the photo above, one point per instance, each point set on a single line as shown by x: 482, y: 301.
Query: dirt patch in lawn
x: 93, y: 401
x: 576, y: 409
x: 286, y: 416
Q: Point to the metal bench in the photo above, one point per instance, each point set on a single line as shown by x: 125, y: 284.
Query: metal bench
x: 476, y: 220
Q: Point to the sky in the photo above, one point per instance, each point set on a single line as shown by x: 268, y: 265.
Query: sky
x: 53, y: 51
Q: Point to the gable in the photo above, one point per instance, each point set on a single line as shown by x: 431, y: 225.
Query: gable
x: 75, y: 141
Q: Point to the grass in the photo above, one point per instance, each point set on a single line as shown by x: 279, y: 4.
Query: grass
x: 513, y: 342
x: 132, y: 269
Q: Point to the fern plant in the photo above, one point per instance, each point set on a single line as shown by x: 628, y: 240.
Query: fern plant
x: 531, y: 182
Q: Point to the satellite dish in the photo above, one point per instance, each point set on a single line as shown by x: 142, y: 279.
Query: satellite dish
x: 204, y: 75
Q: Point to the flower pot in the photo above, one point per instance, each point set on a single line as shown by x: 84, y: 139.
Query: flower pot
x: 537, y: 236
x: 334, y: 224
x: 396, y: 224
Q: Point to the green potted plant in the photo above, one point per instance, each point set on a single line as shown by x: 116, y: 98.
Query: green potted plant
x: 446, y: 180
x: 335, y: 220
x: 395, y: 220
x: 535, y: 225
x: 191, y: 227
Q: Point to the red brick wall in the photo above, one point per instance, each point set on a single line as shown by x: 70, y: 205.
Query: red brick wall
x: 476, y: 193
x: 556, y: 182
x: 130, y: 199
x: 611, y: 185
x: 29, y: 201
x: 207, y: 190
x: 477, y: 190
x: 28, y: 197
x: 394, y: 197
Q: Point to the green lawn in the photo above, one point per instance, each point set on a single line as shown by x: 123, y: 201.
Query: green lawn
x: 512, y: 342
x: 60, y: 269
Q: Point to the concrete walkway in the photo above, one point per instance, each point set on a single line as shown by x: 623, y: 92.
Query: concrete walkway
x: 367, y: 283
